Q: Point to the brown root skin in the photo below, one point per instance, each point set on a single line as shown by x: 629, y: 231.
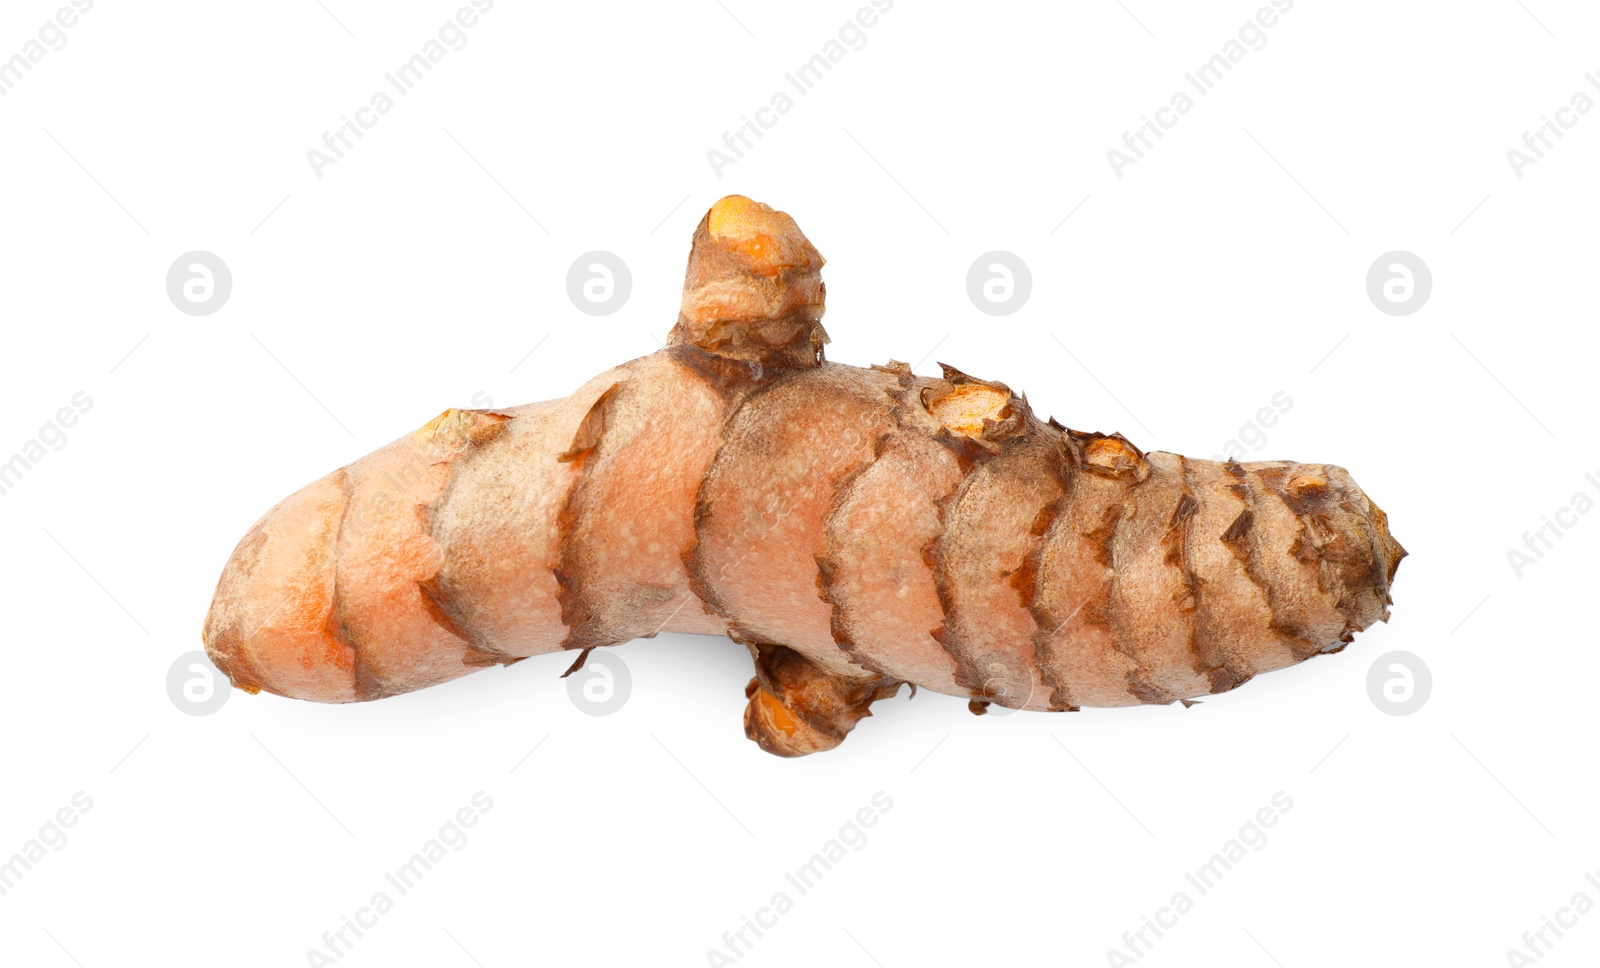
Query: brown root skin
x: 798, y: 708
x: 857, y: 529
x: 753, y: 291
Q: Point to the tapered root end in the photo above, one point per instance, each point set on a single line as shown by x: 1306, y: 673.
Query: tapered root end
x: 1392, y: 549
x: 797, y: 708
x: 269, y: 625
x: 753, y: 291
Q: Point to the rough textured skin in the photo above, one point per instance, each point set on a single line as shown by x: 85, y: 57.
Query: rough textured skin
x: 855, y: 529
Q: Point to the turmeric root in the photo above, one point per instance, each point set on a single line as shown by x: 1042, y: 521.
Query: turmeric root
x: 855, y: 529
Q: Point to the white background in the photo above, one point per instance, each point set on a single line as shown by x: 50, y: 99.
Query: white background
x: 1226, y: 266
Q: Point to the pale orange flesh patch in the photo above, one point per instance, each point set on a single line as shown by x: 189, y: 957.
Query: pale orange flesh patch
x: 964, y: 410
x: 750, y: 265
x: 769, y: 240
x: 1112, y: 454
x: 777, y: 713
